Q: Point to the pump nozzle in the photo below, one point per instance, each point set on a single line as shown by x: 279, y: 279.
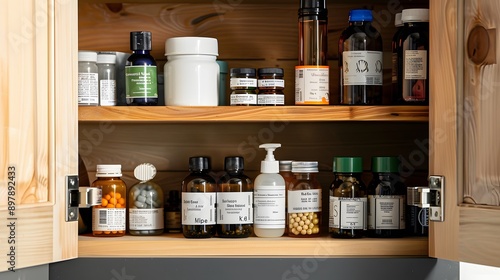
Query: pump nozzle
x: 270, y: 165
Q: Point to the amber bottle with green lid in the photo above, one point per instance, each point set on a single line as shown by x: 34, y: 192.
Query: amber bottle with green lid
x: 348, y: 199
x: 145, y: 203
x: 386, y: 199
x: 234, y: 201
x: 198, y: 200
x: 304, y: 200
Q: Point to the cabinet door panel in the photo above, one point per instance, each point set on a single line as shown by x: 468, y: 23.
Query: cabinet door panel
x: 38, y: 141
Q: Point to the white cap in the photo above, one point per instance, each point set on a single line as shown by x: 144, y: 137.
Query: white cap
x: 397, y: 20
x: 87, y: 56
x: 270, y: 164
x: 191, y: 45
x: 106, y: 58
x: 145, y: 172
x: 109, y: 170
x: 415, y: 15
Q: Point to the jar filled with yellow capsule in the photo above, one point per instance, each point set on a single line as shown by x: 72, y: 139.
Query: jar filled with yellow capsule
x: 304, y: 200
x: 109, y: 218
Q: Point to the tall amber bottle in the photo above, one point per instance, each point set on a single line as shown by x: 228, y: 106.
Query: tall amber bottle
x: 109, y: 218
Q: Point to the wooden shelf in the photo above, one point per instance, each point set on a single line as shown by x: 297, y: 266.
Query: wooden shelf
x: 175, y: 245
x: 253, y: 114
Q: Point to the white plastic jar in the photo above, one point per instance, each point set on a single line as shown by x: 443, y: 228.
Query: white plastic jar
x: 191, y: 73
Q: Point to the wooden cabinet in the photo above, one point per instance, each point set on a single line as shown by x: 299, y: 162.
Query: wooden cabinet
x: 45, y: 136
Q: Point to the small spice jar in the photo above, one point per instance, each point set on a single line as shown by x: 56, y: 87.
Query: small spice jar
x: 270, y: 84
x: 243, y: 83
x: 109, y: 218
x: 304, y: 200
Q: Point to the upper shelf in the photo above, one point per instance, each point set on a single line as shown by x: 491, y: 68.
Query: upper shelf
x: 253, y: 114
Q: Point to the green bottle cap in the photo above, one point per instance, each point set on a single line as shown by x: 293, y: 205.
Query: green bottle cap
x: 385, y: 164
x: 348, y: 164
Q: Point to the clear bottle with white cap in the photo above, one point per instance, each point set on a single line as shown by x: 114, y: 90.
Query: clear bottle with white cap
x: 269, y: 196
x: 191, y: 73
x: 88, y: 85
x: 107, y: 78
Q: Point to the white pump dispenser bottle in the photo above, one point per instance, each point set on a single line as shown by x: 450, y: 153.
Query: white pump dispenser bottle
x: 269, y: 197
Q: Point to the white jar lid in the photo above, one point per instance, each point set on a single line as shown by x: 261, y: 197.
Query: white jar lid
x: 109, y: 170
x: 145, y: 172
x: 415, y: 15
x: 87, y: 56
x: 191, y: 45
x: 106, y: 58
x: 397, y: 20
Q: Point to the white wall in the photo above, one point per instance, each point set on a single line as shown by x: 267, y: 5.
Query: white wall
x: 478, y: 272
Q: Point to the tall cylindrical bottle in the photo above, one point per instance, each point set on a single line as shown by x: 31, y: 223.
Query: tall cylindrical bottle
x: 396, y: 97
x: 173, y: 212
x: 141, y: 86
x: 234, y: 201
x: 312, y: 73
x: 109, y: 218
x: 88, y: 81
x: 107, y: 79
x: 348, y: 200
x: 414, y: 52
x: 361, y: 61
x: 199, y: 200
x: 304, y: 200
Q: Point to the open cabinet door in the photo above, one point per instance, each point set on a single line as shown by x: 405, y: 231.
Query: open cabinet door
x: 38, y: 143
x: 465, y: 128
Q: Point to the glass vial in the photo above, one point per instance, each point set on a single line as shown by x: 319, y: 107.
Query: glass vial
x: 173, y: 212
x: 304, y: 200
x: 234, y: 201
x: 243, y: 83
x: 107, y: 79
x: 271, y: 85
x: 414, y: 52
x: 312, y: 73
x: 396, y: 97
x: 145, y: 206
x: 386, y: 199
x: 348, y: 200
x: 109, y: 218
x: 198, y: 200
x: 361, y: 61
x: 141, y: 86
x: 88, y: 84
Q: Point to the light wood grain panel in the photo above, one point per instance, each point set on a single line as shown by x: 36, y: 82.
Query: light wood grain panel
x: 443, y: 237
x: 175, y: 245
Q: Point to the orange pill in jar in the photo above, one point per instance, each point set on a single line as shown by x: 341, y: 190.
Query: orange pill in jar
x: 112, y: 194
x: 104, y: 202
x: 107, y: 232
x: 107, y: 197
x: 118, y: 205
x: 110, y: 206
x: 121, y: 200
x: 118, y: 195
x: 112, y: 201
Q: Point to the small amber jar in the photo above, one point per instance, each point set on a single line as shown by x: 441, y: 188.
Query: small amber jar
x: 270, y: 84
x: 109, y: 218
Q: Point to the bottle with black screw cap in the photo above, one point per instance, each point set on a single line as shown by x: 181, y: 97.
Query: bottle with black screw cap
x: 234, y: 201
x: 141, y: 87
x: 243, y: 83
x: 198, y: 200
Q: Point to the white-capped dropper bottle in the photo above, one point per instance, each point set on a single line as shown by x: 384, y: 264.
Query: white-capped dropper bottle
x: 269, y: 197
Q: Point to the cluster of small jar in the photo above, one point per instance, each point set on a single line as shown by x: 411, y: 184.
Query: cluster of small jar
x: 303, y: 223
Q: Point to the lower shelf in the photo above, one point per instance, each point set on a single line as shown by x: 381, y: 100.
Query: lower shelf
x: 175, y: 245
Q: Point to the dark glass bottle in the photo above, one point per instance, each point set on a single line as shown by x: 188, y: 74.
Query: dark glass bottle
x: 243, y: 84
x: 270, y: 84
x: 396, y: 97
x: 198, y: 200
x: 234, y: 201
x: 141, y: 86
x: 347, y: 199
x: 417, y: 220
x: 173, y: 212
x: 386, y: 199
x: 413, y: 64
x: 361, y: 61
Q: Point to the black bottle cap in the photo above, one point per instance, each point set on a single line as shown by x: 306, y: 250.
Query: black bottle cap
x: 140, y: 41
x: 234, y: 163
x: 313, y: 8
x: 277, y: 71
x: 199, y: 164
x: 248, y: 72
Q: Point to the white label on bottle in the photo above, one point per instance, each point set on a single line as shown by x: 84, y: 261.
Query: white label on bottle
x: 304, y: 201
x: 271, y: 83
x: 88, y: 89
x: 145, y: 219
x: 312, y: 85
x: 198, y: 208
x: 243, y: 82
x: 269, y: 203
x: 415, y: 64
x: 348, y: 213
x: 107, y: 90
x: 362, y: 68
x: 386, y: 212
x: 108, y: 219
x: 243, y: 99
x: 234, y: 208
x: 271, y: 99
